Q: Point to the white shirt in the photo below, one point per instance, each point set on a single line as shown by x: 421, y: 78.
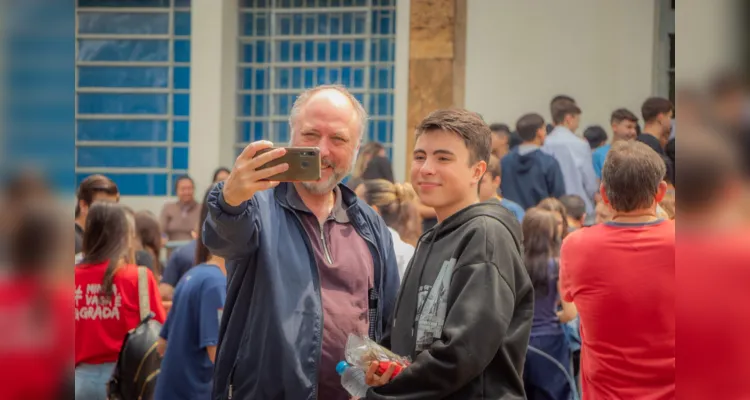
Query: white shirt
x: 404, y: 252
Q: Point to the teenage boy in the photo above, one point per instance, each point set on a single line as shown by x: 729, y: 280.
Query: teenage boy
x: 489, y: 188
x: 528, y: 174
x: 572, y: 153
x: 466, y: 304
x: 623, y: 123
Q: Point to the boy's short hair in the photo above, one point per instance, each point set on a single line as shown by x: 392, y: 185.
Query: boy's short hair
x: 467, y: 124
x: 493, y: 167
x: 528, y: 125
x: 574, y: 205
x: 500, y: 129
x: 622, y: 114
x: 93, y: 185
x: 653, y: 106
x: 595, y: 135
x: 561, y: 106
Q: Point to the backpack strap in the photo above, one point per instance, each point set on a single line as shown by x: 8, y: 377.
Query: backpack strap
x: 144, y: 305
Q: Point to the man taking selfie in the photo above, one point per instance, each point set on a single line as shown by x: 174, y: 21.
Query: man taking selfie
x: 309, y: 262
x: 466, y: 304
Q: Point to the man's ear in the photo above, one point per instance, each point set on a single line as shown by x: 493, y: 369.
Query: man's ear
x: 603, y: 193
x: 661, y: 191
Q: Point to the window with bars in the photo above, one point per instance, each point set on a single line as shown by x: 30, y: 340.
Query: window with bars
x: 133, y: 92
x: 286, y: 46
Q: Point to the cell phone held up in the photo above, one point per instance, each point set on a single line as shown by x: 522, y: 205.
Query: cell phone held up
x: 304, y: 164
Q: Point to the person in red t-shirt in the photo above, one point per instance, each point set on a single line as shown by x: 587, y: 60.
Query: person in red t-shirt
x: 106, y: 297
x: 713, y: 260
x: 621, y: 277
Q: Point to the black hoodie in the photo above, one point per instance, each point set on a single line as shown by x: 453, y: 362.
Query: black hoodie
x: 469, y: 340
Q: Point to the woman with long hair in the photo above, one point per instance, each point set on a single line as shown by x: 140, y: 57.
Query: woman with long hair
x: 190, y: 335
x: 396, y: 204
x: 561, y: 215
x: 106, y: 296
x: 149, y: 235
x: 541, y: 242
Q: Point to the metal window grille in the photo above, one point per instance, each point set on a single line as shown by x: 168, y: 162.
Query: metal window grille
x: 132, y: 92
x: 286, y: 46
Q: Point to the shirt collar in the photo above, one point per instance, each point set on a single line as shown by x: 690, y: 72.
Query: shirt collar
x: 338, y: 213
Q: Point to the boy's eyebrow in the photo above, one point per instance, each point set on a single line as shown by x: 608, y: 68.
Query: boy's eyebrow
x: 436, y: 152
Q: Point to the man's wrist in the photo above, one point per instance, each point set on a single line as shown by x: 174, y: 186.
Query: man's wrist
x: 228, y: 207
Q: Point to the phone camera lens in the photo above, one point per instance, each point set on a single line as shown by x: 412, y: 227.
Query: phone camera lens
x: 304, y: 164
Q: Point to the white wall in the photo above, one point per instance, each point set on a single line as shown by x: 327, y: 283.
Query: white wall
x: 522, y: 53
x: 214, y: 52
x: 401, y: 90
x: 713, y: 41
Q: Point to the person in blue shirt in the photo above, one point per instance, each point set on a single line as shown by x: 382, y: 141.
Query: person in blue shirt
x: 624, y: 124
x: 489, y: 188
x: 190, y: 335
x: 572, y: 153
x: 596, y: 136
x: 180, y: 261
x: 529, y: 175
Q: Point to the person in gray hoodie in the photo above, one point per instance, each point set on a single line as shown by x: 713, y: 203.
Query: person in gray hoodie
x: 466, y: 303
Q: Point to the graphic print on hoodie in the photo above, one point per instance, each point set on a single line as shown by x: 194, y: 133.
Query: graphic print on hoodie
x: 433, y: 303
x: 464, y: 312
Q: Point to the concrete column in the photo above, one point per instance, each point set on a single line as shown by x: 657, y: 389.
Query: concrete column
x: 212, y: 88
x: 437, y: 60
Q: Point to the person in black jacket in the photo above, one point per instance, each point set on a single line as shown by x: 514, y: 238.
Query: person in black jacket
x: 466, y: 303
x: 530, y: 175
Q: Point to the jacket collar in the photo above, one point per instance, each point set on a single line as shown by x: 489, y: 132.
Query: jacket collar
x: 345, y: 203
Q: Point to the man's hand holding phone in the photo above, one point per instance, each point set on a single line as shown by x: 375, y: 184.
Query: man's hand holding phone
x: 247, y: 178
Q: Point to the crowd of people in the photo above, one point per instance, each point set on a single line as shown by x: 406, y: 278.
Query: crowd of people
x: 517, y: 263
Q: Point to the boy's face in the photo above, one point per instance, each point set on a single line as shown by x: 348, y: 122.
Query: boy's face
x: 499, y: 144
x: 624, y: 130
x: 441, y: 172
x: 488, y: 186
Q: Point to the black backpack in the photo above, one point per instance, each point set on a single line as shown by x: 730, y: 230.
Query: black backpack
x: 138, y: 365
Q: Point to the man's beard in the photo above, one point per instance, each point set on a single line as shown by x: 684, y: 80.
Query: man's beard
x: 325, y: 187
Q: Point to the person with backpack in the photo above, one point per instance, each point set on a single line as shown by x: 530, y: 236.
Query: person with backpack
x: 189, y: 338
x: 107, y: 301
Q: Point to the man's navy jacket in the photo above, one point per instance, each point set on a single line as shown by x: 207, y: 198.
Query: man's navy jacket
x: 272, y: 324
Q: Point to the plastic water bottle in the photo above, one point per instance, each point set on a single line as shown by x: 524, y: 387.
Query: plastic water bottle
x: 352, y: 379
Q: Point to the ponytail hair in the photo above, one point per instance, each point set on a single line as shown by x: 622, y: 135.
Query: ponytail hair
x: 396, y: 204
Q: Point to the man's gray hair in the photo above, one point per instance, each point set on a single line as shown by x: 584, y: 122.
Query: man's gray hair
x: 305, y: 96
x: 631, y: 175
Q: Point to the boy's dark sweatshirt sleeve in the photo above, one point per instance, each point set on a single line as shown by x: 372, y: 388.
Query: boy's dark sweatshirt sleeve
x: 480, y: 306
x: 555, y: 181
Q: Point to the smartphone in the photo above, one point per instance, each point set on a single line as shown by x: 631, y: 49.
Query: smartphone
x: 304, y: 164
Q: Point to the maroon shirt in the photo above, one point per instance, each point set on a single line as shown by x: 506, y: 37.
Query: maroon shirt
x: 345, y: 267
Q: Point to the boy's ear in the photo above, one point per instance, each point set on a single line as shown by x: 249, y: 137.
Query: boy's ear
x: 479, y: 169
